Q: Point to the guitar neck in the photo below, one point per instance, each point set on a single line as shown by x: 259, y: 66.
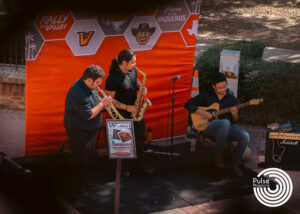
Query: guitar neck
x: 225, y: 110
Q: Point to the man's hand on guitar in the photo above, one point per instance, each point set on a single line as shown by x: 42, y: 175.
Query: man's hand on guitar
x: 207, y: 115
x: 233, y: 110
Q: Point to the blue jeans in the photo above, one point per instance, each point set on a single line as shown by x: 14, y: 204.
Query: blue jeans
x: 223, y: 131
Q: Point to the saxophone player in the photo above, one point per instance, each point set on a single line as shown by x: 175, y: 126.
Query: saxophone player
x: 122, y: 84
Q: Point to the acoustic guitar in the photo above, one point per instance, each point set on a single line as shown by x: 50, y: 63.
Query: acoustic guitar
x: 200, y: 123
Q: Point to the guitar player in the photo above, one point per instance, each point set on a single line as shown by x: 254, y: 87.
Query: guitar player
x: 224, y: 128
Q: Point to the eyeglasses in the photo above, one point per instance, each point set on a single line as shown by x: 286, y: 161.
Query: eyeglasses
x: 98, y: 82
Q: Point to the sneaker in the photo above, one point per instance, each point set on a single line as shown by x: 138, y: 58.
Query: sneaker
x: 83, y: 197
x: 218, y: 160
x: 236, y: 170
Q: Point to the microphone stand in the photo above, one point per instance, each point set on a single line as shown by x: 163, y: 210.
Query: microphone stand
x: 172, y: 119
x: 172, y: 129
x: 171, y: 155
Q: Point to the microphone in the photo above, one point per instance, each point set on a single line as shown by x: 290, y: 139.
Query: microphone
x: 176, y: 78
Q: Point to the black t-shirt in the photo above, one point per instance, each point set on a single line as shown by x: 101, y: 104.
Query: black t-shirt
x: 125, y: 86
x: 209, y: 97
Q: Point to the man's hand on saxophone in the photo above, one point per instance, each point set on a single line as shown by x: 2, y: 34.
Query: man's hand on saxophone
x: 132, y: 109
x: 119, y: 105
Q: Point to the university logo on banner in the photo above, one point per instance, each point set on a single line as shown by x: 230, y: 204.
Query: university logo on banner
x: 190, y: 30
x: 114, y: 25
x: 172, y: 17
x: 142, y: 33
x: 85, y: 37
x: 54, y: 25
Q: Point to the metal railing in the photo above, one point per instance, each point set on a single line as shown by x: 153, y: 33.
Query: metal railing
x: 12, y: 51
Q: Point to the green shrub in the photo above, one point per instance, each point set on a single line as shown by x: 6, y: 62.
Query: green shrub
x: 208, y: 63
x: 278, y: 83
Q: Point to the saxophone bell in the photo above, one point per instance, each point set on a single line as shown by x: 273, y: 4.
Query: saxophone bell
x: 141, y: 102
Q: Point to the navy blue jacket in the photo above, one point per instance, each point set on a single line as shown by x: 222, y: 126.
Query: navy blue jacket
x: 78, y: 104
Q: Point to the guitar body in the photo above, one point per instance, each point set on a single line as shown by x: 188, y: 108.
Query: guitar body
x: 199, y: 122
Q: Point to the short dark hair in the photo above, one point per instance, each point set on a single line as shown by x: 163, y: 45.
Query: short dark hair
x: 94, y: 72
x: 218, y: 77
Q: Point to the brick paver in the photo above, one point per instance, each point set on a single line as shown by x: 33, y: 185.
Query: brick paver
x: 12, y: 132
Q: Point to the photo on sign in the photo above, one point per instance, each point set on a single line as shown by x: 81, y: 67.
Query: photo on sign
x: 121, y: 141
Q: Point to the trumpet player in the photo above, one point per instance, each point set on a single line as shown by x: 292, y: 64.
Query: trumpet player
x: 82, y: 119
x: 122, y: 84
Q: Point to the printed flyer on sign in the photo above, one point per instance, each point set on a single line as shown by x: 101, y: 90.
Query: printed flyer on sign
x: 120, y: 135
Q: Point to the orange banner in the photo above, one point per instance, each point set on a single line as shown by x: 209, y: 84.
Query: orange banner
x: 61, y: 44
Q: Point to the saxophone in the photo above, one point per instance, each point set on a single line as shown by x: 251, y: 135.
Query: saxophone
x: 141, y: 103
x: 112, y: 110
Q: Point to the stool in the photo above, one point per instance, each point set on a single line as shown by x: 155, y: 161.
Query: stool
x: 210, y: 142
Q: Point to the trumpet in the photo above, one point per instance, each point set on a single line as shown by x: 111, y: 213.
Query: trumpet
x: 112, y: 110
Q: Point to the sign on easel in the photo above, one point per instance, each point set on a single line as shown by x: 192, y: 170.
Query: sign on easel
x: 229, y: 65
x: 121, y: 145
x: 121, y: 141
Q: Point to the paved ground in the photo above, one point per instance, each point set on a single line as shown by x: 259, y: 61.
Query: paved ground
x: 12, y: 132
x: 270, y: 53
x: 257, y: 146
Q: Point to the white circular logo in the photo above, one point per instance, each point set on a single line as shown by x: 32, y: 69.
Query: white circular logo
x: 272, y: 197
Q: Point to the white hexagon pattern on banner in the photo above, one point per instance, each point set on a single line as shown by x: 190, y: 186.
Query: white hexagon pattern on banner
x: 142, y: 33
x: 85, y: 37
x: 33, y: 42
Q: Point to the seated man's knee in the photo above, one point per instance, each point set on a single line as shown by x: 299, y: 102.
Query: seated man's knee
x: 225, y: 124
x: 245, y: 138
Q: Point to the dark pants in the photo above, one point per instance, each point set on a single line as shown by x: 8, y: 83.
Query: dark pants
x: 81, y: 142
x: 140, y: 138
x: 223, y: 130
